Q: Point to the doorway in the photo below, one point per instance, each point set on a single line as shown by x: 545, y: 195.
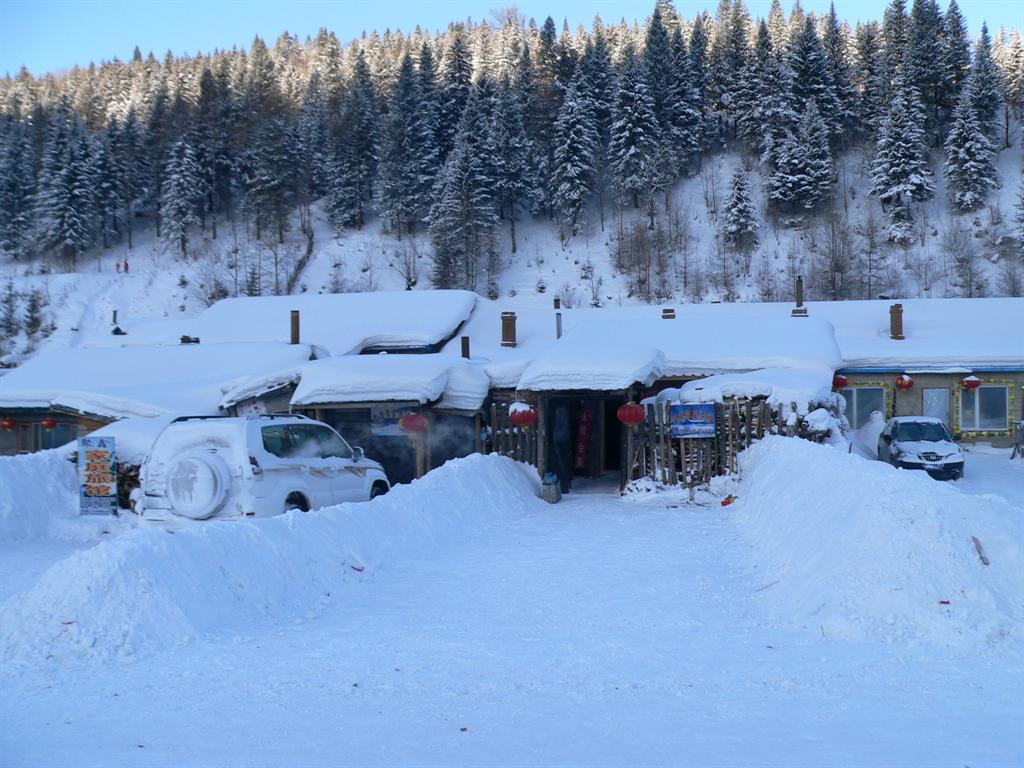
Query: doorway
x: 935, y: 403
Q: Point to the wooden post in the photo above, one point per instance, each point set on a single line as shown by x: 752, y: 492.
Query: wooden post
x: 493, y: 448
x: 673, y: 478
x: 542, y: 437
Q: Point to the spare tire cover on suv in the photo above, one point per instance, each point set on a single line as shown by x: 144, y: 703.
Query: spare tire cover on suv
x: 197, y: 483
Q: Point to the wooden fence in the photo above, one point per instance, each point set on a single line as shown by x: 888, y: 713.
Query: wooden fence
x: 652, y: 452
x: 505, y: 438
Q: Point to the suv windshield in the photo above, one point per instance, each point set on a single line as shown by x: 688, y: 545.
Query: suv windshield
x: 921, y: 431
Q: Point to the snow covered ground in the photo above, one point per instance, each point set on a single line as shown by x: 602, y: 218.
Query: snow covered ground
x: 488, y: 628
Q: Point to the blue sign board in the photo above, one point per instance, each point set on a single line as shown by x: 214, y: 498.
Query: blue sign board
x: 689, y: 420
x: 97, y: 476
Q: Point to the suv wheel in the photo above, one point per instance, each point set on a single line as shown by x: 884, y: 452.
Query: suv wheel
x: 379, y: 489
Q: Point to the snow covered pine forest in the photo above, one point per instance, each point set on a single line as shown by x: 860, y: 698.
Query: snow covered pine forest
x: 682, y: 159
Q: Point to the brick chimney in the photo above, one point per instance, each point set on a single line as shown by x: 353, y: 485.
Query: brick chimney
x: 896, y: 322
x: 799, y: 310
x: 508, y: 329
x: 465, y: 347
x: 295, y: 326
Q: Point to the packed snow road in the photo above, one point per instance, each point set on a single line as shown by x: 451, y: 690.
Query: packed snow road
x: 599, y: 631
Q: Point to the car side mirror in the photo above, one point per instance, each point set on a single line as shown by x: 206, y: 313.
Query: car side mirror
x: 357, y: 454
x: 887, y: 438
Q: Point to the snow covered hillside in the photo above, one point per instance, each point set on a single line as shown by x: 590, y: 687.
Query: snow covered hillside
x: 819, y: 619
x: 684, y: 159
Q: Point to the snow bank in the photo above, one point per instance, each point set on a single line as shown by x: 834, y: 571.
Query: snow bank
x: 39, y: 499
x: 154, y: 588
x: 855, y: 548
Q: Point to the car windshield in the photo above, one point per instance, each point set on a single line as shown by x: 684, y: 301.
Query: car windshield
x: 921, y: 431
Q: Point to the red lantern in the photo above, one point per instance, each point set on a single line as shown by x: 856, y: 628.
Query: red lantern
x: 48, y: 424
x: 522, y: 417
x: 904, y: 382
x: 630, y: 414
x: 971, y: 382
x: 413, y: 423
x: 8, y: 424
x: 839, y: 381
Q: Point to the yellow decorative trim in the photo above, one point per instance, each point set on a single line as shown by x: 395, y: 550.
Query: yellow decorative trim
x: 1011, y: 401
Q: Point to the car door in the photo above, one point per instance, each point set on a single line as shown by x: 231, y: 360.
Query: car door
x: 348, y: 479
x: 291, y: 454
x: 883, y: 442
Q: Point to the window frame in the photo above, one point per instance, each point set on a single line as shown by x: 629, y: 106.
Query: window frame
x: 853, y: 405
x: 974, y: 397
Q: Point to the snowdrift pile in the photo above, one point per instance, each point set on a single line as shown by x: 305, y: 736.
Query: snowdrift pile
x: 39, y: 499
x: 155, y: 588
x: 854, y: 548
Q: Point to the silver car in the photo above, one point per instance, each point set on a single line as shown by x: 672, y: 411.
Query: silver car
x: 921, y: 442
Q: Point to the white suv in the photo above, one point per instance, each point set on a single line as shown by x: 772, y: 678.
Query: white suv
x: 256, y: 466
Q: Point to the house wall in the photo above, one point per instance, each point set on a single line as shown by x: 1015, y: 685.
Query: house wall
x: 910, y: 402
x: 29, y: 435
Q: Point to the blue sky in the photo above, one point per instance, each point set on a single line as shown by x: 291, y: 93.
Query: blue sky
x: 51, y: 35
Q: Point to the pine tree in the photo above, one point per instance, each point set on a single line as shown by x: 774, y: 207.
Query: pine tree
x: 894, y: 38
x: 463, y: 218
x: 1019, y: 219
x: 802, y: 176
x: 685, y: 130
x: 834, y: 43
x: 740, y: 228
x: 456, y: 82
x: 66, y: 203
x: 10, y: 323
x: 355, y: 152
x: 17, y: 184
x: 657, y: 63
x: 131, y: 146
x: 924, y: 56
x: 633, y: 151
x: 178, y: 195
x: 969, y: 158
x: 403, y: 137
x: 870, y: 78
x: 575, y: 147
x: 986, y: 82
x: 812, y: 78
x: 956, y: 56
x: 108, y: 179
x: 34, y: 312
x: 514, y: 182
x: 269, y: 177
x: 901, y: 173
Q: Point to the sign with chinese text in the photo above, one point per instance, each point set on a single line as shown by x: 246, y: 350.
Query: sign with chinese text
x: 384, y: 421
x: 688, y: 420
x: 97, y: 476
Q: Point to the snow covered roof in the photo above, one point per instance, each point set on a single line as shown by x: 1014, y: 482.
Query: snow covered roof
x: 119, y: 382
x: 449, y: 381
x: 616, y: 348
x: 340, y: 323
x: 780, y: 386
x: 941, y: 334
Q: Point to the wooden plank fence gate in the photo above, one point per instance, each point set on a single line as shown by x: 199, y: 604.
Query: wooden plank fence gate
x: 505, y: 438
x: 652, y: 452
